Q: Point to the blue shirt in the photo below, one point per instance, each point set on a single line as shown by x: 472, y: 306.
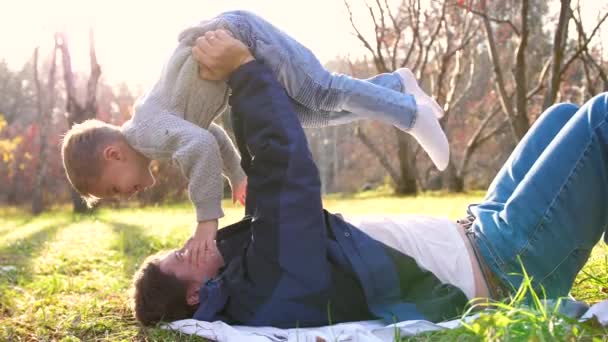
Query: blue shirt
x: 290, y: 263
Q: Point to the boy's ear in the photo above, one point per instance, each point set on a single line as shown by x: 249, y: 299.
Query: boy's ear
x: 192, y: 295
x: 112, y: 152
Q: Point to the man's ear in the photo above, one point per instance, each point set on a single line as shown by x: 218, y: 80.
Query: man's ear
x: 192, y: 295
x: 112, y: 152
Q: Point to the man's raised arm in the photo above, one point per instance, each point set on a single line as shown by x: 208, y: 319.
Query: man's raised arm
x: 284, y: 185
x: 283, y: 193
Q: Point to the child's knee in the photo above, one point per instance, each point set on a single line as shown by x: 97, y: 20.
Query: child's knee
x: 242, y: 14
x: 189, y: 35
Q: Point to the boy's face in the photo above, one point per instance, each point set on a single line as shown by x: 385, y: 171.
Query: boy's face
x: 125, y: 172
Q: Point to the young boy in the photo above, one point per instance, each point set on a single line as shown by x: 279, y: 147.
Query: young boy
x: 173, y: 121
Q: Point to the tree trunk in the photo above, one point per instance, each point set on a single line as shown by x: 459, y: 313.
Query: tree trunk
x: 407, y: 182
x: 44, y: 112
x: 75, y: 112
x: 522, y: 124
x: 451, y: 180
x: 366, y: 141
x: 559, y: 41
x: 505, y: 101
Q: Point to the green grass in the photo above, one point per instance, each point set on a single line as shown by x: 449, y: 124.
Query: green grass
x: 72, y: 272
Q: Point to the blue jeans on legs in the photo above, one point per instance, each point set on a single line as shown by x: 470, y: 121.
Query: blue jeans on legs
x: 548, y: 204
x: 320, y: 98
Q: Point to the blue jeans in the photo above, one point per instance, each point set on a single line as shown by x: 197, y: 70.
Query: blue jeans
x: 320, y: 98
x: 548, y: 205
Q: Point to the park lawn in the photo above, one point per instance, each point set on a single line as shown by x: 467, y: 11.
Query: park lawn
x: 72, y: 272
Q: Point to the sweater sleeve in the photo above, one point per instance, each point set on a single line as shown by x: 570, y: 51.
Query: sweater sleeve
x: 231, y: 160
x: 195, y: 150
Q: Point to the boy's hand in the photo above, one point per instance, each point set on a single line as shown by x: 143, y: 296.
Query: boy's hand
x: 202, y: 242
x: 219, y: 54
x: 239, y: 192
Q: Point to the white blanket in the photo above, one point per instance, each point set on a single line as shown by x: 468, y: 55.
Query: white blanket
x: 364, y: 331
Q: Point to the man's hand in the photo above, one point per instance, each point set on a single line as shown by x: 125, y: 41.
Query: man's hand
x: 239, y: 192
x: 202, y: 242
x: 219, y: 54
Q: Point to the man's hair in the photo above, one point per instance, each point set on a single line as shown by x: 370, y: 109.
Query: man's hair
x: 158, y: 296
x: 81, y: 152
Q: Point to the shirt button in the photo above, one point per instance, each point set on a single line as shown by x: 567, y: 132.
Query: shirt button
x: 347, y: 234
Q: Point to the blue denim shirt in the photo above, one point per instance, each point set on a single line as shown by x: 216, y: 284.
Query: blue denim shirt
x: 291, y: 263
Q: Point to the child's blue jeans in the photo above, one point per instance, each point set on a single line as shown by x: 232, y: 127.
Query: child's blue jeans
x: 319, y: 97
x: 548, y: 205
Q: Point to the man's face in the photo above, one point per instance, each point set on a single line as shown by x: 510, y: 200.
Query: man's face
x: 177, y: 263
x: 125, y: 172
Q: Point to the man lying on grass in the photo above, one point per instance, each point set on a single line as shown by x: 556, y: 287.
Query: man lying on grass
x: 289, y: 263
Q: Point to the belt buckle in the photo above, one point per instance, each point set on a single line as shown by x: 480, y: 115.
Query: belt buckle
x: 494, y: 284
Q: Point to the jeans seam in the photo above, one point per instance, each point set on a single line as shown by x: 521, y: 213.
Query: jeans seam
x: 557, y: 266
x: 495, y: 258
x: 309, y: 83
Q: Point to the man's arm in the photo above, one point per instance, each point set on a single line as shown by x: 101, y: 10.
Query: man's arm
x: 288, y: 224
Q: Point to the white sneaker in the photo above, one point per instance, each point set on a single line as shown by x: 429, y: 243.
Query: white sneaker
x: 412, y: 87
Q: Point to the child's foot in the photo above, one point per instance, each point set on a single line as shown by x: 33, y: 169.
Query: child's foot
x: 427, y: 131
x: 412, y: 87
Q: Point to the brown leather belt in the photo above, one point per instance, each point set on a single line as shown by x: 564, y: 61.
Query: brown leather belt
x: 497, y: 289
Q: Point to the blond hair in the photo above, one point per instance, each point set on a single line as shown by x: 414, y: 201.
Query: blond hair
x: 81, y: 152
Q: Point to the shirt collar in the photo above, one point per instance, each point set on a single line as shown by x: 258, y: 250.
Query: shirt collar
x: 212, y: 299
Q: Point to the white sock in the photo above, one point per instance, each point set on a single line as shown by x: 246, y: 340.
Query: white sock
x: 427, y: 131
x: 412, y: 87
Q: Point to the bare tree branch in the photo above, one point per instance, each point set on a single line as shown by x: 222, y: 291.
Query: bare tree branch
x: 473, y: 142
x: 422, y: 67
x: 362, y: 39
x: 414, y: 17
x: 485, y: 16
x: 418, y: 39
x: 379, y: 38
x: 377, y: 153
x: 398, y: 32
x: 600, y: 70
x: 477, y: 140
x: 588, y: 39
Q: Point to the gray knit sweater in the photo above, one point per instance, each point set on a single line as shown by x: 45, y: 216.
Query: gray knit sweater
x: 173, y: 122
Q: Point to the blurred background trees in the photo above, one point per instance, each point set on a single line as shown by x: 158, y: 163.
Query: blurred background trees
x: 492, y: 65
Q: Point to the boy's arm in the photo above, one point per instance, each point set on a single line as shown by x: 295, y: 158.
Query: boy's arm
x: 193, y: 149
x: 231, y: 160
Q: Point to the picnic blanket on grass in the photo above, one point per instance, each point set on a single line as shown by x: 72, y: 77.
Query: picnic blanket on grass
x: 363, y: 331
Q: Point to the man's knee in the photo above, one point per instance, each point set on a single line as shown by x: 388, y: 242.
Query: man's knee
x: 564, y: 110
x: 599, y: 104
